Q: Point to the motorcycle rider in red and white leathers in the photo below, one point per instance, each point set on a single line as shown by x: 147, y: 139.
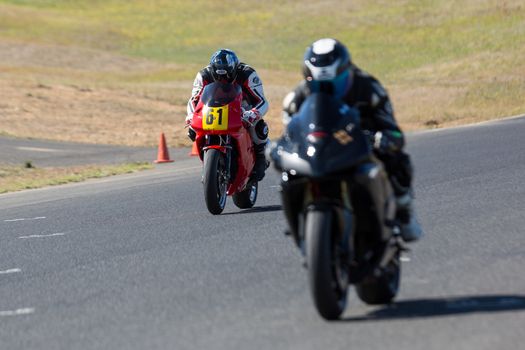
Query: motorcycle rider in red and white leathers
x: 327, y: 67
x: 225, y: 66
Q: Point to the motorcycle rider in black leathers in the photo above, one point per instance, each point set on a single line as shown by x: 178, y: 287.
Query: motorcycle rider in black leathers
x: 225, y: 66
x: 328, y: 67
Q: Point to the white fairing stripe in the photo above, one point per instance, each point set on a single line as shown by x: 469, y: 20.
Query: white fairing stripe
x: 197, y: 87
x: 256, y: 88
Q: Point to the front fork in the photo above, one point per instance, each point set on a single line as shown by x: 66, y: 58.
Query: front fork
x: 223, y: 144
x: 343, y: 218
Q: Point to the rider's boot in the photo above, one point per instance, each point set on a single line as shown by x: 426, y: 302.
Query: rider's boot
x: 410, y: 228
x: 261, y: 164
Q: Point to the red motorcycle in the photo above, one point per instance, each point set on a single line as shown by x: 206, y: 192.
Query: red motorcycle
x: 225, y: 147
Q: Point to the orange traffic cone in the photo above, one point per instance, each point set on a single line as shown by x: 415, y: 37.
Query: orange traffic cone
x: 163, y: 156
x: 194, y: 150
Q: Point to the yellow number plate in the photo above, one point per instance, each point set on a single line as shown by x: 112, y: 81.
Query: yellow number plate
x: 215, y: 118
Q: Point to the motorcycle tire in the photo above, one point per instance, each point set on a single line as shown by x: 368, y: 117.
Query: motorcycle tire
x: 382, y: 289
x: 328, y: 295
x: 246, y: 198
x: 214, y: 181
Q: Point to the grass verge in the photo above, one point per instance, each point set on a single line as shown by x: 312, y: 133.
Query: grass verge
x: 23, y: 177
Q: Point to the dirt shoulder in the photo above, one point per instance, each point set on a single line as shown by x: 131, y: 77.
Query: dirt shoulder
x: 71, y: 94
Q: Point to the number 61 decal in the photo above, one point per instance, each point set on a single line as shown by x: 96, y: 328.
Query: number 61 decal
x: 215, y: 118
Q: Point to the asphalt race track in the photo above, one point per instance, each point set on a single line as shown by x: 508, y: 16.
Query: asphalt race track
x: 137, y: 262
x: 43, y: 153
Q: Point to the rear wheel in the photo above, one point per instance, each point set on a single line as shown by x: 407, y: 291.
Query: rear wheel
x: 246, y: 198
x: 327, y: 276
x: 215, y: 181
x: 381, y: 289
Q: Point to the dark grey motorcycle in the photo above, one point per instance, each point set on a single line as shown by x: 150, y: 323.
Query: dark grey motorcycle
x: 339, y: 205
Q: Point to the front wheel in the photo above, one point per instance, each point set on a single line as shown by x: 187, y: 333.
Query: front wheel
x: 246, y: 198
x: 326, y: 271
x: 215, y: 181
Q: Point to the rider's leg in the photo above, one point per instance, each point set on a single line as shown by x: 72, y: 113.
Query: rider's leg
x: 259, y: 134
x: 399, y: 168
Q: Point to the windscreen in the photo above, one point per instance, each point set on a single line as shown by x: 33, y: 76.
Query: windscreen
x: 219, y: 94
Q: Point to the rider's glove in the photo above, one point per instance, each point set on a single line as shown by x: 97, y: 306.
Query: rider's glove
x: 192, y: 134
x: 383, y: 143
x: 250, y: 116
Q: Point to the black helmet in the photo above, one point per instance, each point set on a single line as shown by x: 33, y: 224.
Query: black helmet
x: 223, y: 65
x: 326, y: 67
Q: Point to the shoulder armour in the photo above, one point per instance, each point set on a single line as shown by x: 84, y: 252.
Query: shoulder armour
x: 206, y: 74
x: 243, y: 72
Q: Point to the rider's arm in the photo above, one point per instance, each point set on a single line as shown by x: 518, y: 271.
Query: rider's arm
x: 254, y: 93
x: 195, y: 95
x: 292, y: 102
x: 389, y: 137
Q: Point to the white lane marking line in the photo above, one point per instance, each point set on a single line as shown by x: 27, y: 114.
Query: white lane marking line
x: 17, y: 312
x: 40, y: 149
x: 22, y: 219
x: 43, y: 236
x: 5, y: 272
x: 405, y: 258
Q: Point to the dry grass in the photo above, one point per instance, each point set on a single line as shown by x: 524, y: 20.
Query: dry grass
x: 69, y: 104
x: 82, y: 114
x: 16, y: 178
x: 66, y: 73
x: 62, y: 98
x: 479, y: 87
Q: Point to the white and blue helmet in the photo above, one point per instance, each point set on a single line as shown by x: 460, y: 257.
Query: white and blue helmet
x: 326, y: 67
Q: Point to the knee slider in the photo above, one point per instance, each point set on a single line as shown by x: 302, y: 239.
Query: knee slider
x: 259, y: 132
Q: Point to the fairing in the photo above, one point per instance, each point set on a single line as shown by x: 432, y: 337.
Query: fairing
x: 219, y: 109
x: 323, y: 138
